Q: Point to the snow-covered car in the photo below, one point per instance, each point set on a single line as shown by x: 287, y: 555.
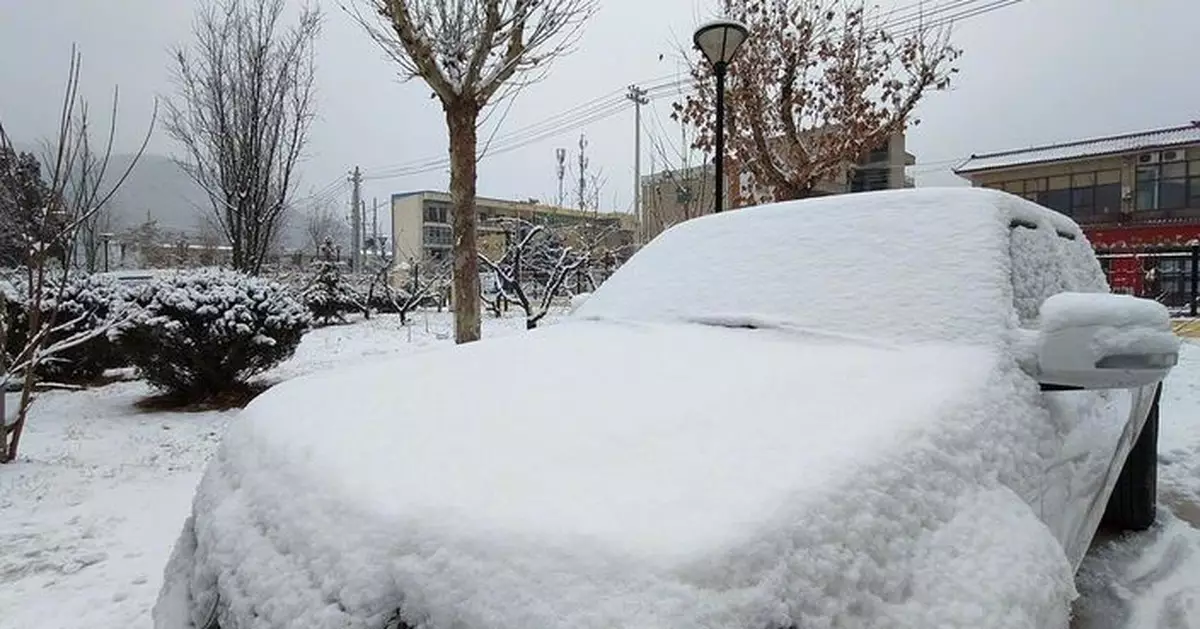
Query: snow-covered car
x: 892, y: 409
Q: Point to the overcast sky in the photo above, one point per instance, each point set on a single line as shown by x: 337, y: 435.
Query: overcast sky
x: 1035, y: 72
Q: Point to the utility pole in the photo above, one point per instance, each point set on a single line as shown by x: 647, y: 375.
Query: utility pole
x: 582, y: 172
x: 561, y: 155
x: 375, y: 224
x: 638, y: 96
x: 355, y: 218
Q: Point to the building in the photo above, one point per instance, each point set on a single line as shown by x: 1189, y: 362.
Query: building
x: 1136, y: 195
x: 421, y: 224
x: 673, y: 196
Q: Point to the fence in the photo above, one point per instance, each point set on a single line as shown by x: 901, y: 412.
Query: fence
x: 1168, y: 275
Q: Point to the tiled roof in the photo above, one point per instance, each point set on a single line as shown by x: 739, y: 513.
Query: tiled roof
x: 1117, y: 144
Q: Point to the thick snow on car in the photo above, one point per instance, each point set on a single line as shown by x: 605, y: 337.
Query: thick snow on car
x: 893, y: 409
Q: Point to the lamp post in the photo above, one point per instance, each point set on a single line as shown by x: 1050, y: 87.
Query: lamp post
x: 107, y: 238
x: 719, y: 42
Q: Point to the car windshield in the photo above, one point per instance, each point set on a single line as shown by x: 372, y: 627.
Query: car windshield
x: 928, y: 265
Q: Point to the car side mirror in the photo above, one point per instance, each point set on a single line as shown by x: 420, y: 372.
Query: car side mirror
x: 1103, y: 341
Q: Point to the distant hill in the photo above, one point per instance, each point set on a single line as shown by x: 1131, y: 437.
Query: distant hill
x: 159, y: 188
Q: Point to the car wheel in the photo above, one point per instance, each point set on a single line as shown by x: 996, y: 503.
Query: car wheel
x: 1132, y: 504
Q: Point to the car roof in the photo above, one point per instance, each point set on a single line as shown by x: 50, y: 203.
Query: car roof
x: 923, y: 264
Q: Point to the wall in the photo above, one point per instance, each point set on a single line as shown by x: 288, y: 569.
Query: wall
x: 406, y: 226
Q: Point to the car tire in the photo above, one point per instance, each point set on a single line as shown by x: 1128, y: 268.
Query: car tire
x: 1132, y: 504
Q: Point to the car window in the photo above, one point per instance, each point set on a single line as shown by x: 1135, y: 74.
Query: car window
x: 1037, y: 268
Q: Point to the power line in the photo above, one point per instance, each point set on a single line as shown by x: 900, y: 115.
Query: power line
x: 526, y: 135
x: 610, y: 99
x: 917, y: 12
x: 516, y: 141
x: 612, y: 103
x: 994, y: 5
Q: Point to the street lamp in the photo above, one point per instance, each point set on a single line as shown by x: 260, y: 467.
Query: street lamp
x: 719, y: 41
x: 107, y: 238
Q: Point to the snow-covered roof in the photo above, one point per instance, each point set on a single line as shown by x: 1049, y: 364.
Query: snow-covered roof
x: 1110, y: 145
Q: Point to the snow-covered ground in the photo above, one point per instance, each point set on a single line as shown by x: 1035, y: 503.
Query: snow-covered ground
x: 88, y: 517
x: 89, y: 514
x: 1152, y: 579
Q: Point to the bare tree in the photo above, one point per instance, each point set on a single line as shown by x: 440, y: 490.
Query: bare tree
x: 84, y: 182
x: 817, y: 84
x: 57, y: 225
x: 467, y: 51
x: 425, y: 283
x: 323, y: 222
x: 535, y: 265
x: 602, y: 245
x: 241, y: 115
x: 682, y: 189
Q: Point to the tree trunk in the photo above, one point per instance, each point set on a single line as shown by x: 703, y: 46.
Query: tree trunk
x: 460, y: 118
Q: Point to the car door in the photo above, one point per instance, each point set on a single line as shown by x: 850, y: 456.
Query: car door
x: 1089, y: 426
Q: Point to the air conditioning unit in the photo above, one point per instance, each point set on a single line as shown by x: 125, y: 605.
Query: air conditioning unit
x: 1173, y: 155
x: 1147, y: 158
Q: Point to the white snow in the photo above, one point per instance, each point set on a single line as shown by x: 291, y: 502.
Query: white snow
x: 749, y: 488
x: 1112, y: 145
x: 697, y: 462
x: 578, y: 300
x: 1152, y: 579
x: 790, y: 470
x: 102, y: 479
x: 1069, y: 310
x: 715, y: 498
x: 1022, y: 580
x: 857, y: 264
x: 89, y: 514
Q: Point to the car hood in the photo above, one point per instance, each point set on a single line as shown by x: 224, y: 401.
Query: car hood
x: 594, y: 473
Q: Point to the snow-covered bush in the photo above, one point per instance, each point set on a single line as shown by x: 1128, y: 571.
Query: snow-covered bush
x: 13, y: 320
x: 205, y: 333
x: 328, y: 297
x: 83, y: 309
x: 87, y: 304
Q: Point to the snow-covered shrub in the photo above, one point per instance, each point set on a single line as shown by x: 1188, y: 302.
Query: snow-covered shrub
x: 80, y: 311
x: 14, y: 317
x: 205, y: 333
x: 327, y: 296
x: 86, y: 305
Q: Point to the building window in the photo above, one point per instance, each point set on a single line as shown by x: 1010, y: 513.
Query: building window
x: 1056, y: 200
x: 1167, y: 186
x: 1194, y: 184
x: 869, y: 178
x: 1108, y: 199
x: 1081, y: 195
x: 437, y: 212
x: 1147, y: 187
x: 438, y: 235
x: 1083, y: 201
